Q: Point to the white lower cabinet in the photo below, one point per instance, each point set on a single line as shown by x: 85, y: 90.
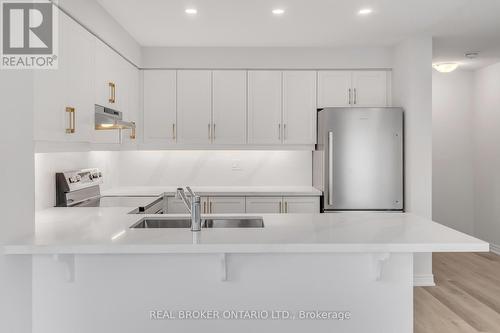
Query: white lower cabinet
x: 224, y: 205
x: 264, y: 205
x: 301, y: 205
x: 282, y: 205
x: 250, y: 205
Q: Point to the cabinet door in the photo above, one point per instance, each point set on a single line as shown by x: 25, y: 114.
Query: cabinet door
x: 301, y: 205
x: 299, y: 107
x: 50, y: 118
x: 264, y: 205
x: 79, y: 48
x: 229, y: 90
x: 227, y: 205
x: 160, y: 106
x: 370, y: 88
x: 132, y: 109
x: 334, y: 88
x: 264, y: 107
x: 105, y: 74
x: 71, y: 85
x: 194, y: 104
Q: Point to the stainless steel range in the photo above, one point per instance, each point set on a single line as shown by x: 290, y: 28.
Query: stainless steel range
x: 81, y: 188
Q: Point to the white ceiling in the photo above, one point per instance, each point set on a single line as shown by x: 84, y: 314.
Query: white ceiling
x: 457, y: 25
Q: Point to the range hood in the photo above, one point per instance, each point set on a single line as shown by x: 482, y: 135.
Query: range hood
x: 109, y: 119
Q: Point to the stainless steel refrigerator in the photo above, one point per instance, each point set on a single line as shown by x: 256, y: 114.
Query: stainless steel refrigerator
x: 359, y: 160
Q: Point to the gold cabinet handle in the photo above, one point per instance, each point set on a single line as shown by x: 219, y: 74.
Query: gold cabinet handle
x: 213, y: 132
x: 112, y: 87
x: 281, y: 210
x: 72, y: 120
x: 132, y: 133
x: 284, y: 131
x: 173, y: 132
x: 349, y: 93
x: 204, y: 207
x: 355, y: 96
x: 286, y: 206
x: 211, y: 210
x: 209, y: 132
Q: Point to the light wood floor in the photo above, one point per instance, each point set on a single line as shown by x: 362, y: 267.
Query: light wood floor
x: 466, y: 297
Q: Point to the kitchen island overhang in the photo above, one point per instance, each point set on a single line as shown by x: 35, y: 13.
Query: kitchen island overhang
x: 356, y: 263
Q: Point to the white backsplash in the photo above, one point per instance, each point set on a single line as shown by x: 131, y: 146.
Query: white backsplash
x: 175, y: 168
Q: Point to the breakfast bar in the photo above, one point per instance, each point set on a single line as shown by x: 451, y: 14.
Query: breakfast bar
x: 322, y: 272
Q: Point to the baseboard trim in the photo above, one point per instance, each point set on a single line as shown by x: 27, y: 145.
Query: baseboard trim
x: 426, y: 280
x: 495, y: 248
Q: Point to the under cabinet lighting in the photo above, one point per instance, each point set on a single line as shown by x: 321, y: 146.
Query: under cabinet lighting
x: 191, y: 11
x: 446, y: 67
x: 278, y: 11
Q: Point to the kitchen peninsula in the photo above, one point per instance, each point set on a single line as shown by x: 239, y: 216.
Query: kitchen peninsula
x: 357, y: 263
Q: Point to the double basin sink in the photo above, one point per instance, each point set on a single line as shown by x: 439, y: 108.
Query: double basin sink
x: 163, y: 222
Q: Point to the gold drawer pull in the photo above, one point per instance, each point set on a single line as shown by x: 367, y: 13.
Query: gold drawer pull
x: 112, y: 97
x: 72, y: 120
x: 132, y: 133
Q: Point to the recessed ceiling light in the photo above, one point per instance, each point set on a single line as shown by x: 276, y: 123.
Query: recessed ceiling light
x: 191, y: 11
x: 278, y: 11
x: 445, y: 67
x: 365, y: 11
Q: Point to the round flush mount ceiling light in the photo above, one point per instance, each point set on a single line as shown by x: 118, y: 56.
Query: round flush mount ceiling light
x: 445, y: 67
x: 278, y: 11
x: 191, y: 11
x: 472, y: 55
x: 365, y: 11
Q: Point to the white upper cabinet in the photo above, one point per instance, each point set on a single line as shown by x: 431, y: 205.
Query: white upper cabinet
x: 160, y: 106
x: 264, y: 107
x: 229, y: 89
x: 352, y: 89
x: 369, y: 88
x: 299, y: 107
x: 131, y: 110
x: 194, y: 104
x: 69, y: 88
x: 334, y: 88
x: 108, y: 88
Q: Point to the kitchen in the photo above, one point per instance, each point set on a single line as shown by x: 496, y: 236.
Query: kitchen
x: 299, y: 179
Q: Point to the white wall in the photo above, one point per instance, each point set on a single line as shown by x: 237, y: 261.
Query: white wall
x: 412, y: 89
x: 16, y: 197
x: 175, y: 168
x: 266, y: 57
x: 487, y: 154
x: 453, y: 152
x: 101, y: 23
x: 256, y: 168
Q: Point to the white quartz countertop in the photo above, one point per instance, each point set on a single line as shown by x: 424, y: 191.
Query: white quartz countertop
x: 216, y: 190
x: 107, y: 231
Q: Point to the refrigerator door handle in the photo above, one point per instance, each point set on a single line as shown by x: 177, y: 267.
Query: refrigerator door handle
x: 330, y: 168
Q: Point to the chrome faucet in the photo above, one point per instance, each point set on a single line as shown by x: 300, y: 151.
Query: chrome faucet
x: 193, y: 205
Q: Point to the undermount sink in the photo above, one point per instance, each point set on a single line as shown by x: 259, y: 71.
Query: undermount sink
x: 154, y: 223
x: 234, y: 223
